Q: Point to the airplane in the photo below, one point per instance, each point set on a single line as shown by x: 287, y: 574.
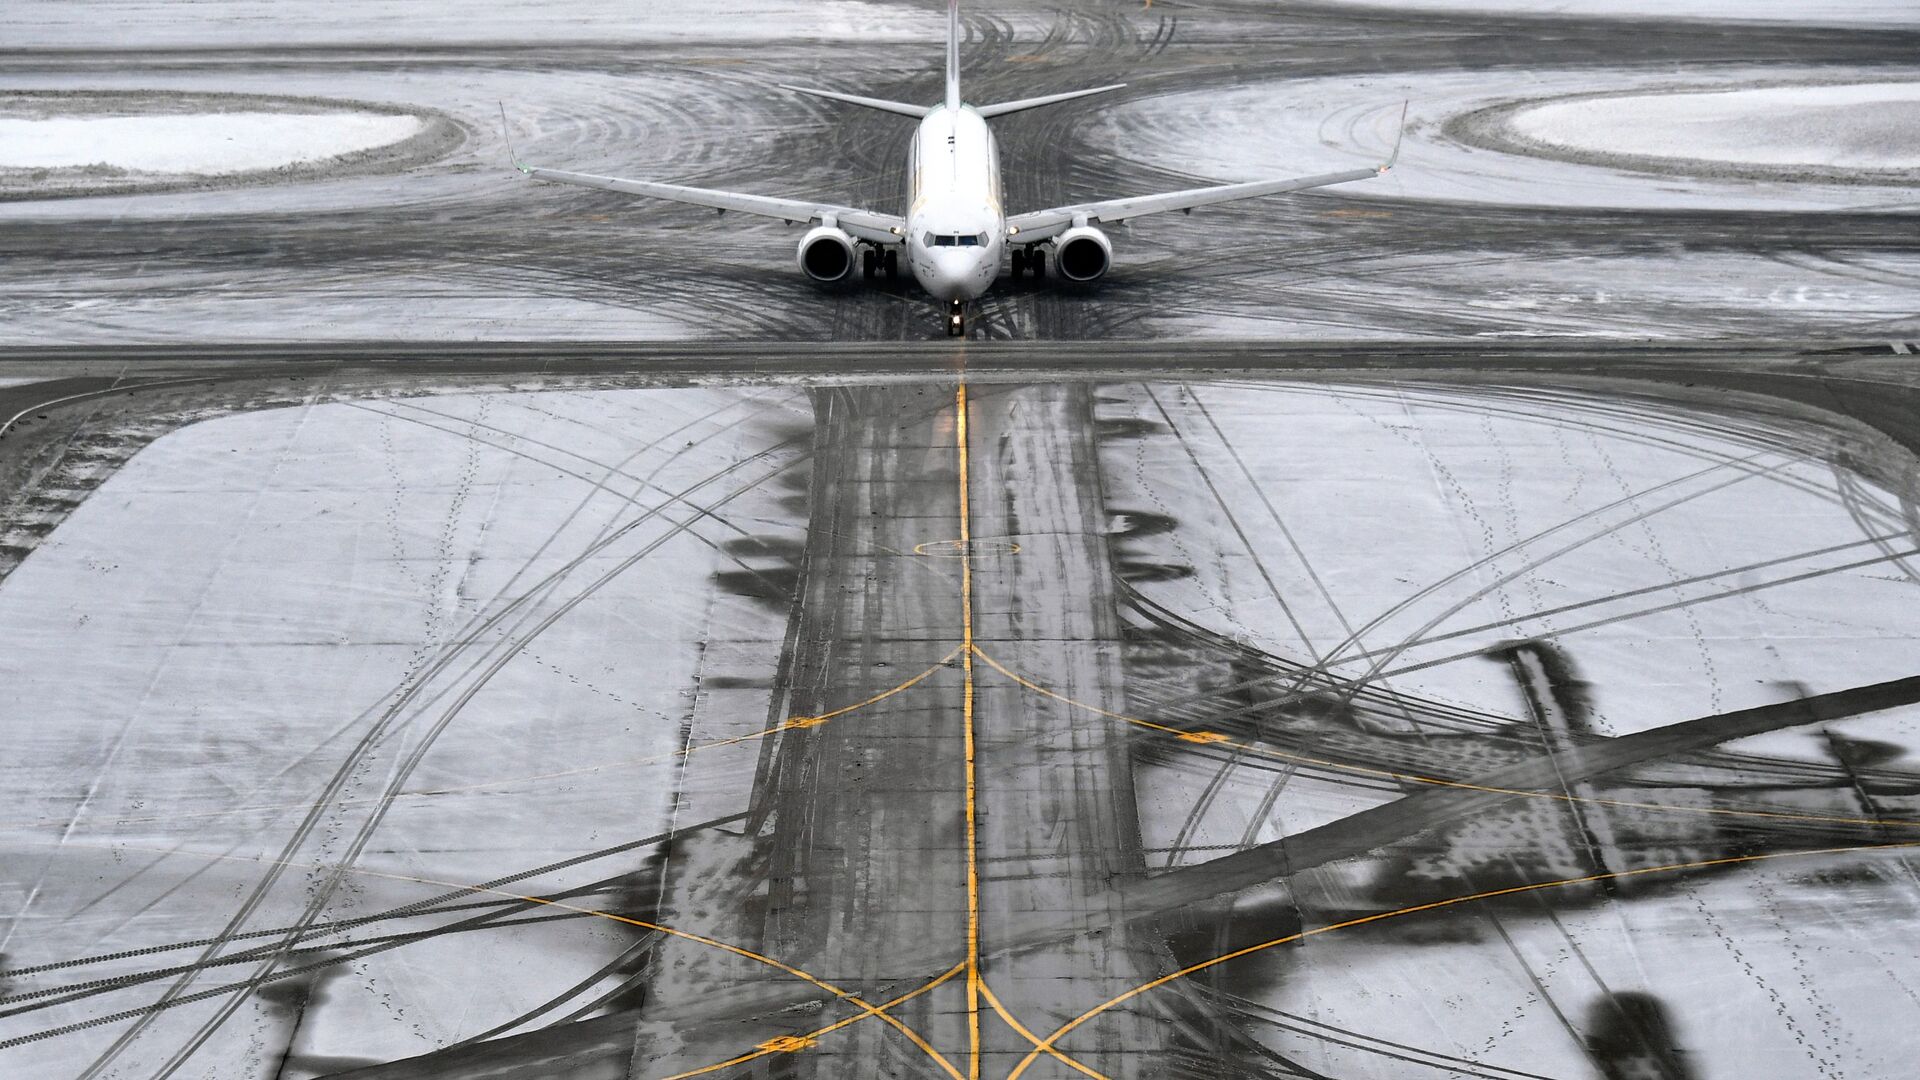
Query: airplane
x: 956, y: 229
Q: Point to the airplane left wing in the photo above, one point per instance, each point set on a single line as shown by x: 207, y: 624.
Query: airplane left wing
x: 1042, y: 224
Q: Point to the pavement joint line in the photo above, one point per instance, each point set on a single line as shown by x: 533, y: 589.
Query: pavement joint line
x: 993, y: 1000
x: 791, y: 723
x: 1512, y: 890
x: 1206, y: 738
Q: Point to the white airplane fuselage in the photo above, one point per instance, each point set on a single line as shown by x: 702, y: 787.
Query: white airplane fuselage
x: 956, y: 221
x: 956, y: 229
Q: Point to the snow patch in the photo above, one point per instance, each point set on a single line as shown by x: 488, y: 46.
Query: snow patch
x: 1874, y: 126
x: 198, y: 144
x: 1834, y: 13
x: 1459, y: 149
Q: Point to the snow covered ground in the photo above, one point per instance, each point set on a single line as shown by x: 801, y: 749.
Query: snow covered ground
x: 1773, y: 973
x: 1836, y: 13
x: 1861, y: 126
x: 1690, y: 562
x: 1314, y: 125
x: 141, y: 24
x: 439, y: 639
x: 196, y: 145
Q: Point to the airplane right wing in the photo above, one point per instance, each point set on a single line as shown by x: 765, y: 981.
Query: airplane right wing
x: 864, y: 224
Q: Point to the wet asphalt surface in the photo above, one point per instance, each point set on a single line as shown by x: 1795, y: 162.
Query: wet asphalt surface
x: 1325, y: 263
x: 1065, y: 918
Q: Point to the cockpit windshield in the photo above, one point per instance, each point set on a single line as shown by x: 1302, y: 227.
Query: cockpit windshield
x: 950, y: 240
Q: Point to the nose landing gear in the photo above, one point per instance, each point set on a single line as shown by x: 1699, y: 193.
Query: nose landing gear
x: 956, y: 318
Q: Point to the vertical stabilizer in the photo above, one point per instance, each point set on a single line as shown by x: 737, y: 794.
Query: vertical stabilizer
x: 953, y: 54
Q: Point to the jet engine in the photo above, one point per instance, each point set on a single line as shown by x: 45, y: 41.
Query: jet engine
x: 826, y: 254
x: 1083, y: 253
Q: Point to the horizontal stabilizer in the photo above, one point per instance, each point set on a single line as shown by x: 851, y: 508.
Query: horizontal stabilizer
x: 900, y: 107
x: 1006, y: 107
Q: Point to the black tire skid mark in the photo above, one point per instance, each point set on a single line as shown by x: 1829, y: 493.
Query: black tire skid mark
x: 371, y: 740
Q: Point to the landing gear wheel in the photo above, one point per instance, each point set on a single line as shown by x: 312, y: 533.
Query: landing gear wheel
x: 869, y: 263
x: 1037, y: 262
x: 890, y: 259
x: 1018, y: 268
x: 956, y: 319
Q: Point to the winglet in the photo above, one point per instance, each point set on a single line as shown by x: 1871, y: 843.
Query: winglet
x: 508, y: 137
x: 1394, y: 159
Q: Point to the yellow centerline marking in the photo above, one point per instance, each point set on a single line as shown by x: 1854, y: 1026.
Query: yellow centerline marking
x: 1046, y: 1044
x: 1214, y: 738
x: 966, y: 713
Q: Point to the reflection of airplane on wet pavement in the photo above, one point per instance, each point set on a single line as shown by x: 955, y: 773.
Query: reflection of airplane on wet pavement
x: 956, y: 227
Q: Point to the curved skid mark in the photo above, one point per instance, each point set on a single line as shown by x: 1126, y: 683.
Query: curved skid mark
x: 372, y: 739
x: 384, y: 803
x: 1143, y: 988
x: 1390, y: 774
x: 699, y: 939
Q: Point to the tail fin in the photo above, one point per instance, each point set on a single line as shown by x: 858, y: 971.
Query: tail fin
x: 953, y: 54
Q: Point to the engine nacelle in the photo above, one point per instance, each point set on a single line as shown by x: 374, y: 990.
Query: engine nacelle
x: 826, y: 254
x: 1083, y: 253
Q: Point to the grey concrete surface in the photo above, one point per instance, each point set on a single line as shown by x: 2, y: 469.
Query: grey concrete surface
x: 710, y: 822
x: 820, y: 828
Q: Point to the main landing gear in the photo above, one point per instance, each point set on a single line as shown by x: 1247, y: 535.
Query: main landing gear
x: 956, y: 318
x: 1027, y: 259
x: 875, y: 261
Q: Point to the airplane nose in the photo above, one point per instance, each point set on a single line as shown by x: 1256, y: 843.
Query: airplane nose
x: 961, y: 275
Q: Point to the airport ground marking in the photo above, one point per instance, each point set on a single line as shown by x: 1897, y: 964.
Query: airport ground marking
x: 1026, y: 1033
x: 1208, y: 738
x: 117, y: 388
x: 790, y: 724
x: 966, y: 710
x: 789, y: 1044
x: 867, y: 1008
x: 1513, y: 890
